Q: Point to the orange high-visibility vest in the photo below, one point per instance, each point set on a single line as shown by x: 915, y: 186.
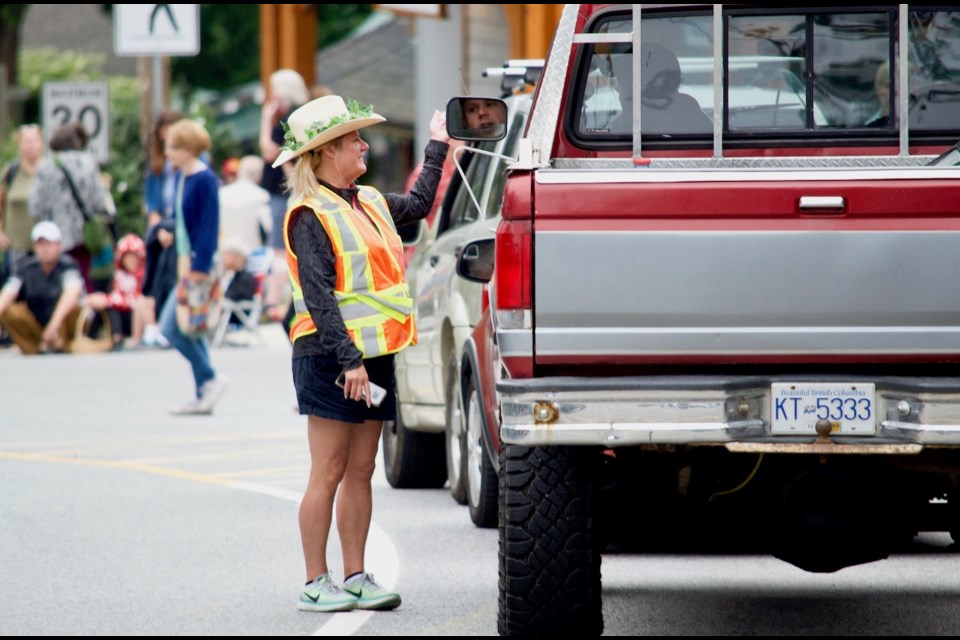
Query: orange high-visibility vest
x: 371, y: 289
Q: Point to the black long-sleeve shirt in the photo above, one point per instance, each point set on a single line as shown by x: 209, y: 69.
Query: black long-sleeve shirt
x: 317, y: 262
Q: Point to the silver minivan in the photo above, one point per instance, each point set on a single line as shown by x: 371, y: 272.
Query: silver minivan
x: 422, y: 448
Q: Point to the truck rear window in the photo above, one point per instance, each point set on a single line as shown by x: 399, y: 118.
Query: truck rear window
x: 785, y: 71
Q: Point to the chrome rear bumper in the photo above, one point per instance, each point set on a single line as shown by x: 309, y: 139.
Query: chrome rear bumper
x: 713, y: 410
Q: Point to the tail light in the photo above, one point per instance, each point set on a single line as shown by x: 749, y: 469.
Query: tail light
x: 513, y: 296
x: 514, y: 271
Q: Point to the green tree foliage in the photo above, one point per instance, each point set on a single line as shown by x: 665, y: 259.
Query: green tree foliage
x: 229, y: 50
x: 11, y: 17
x: 335, y: 21
x: 230, y: 36
x: 45, y: 65
x: 127, y: 156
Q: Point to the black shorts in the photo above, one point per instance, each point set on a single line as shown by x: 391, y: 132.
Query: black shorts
x: 314, y: 378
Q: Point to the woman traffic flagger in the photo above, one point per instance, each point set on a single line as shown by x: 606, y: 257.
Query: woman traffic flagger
x: 353, y: 313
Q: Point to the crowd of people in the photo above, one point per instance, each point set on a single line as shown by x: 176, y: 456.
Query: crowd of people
x: 57, y: 295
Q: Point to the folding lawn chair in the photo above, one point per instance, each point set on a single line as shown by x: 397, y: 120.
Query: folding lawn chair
x: 248, y: 312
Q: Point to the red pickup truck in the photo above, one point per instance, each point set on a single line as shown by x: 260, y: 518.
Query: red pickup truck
x: 725, y: 293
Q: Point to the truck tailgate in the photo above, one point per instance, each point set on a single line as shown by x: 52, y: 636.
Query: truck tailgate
x: 866, y: 269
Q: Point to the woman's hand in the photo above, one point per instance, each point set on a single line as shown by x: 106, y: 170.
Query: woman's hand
x: 356, y: 385
x: 438, y: 127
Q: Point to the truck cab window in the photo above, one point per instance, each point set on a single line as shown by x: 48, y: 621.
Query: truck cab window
x: 934, y: 74
x: 678, y: 87
x: 792, y: 73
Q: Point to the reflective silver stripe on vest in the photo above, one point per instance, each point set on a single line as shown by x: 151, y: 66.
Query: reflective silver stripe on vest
x: 362, y: 304
x: 358, y: 264
x: 371, y: 197
x: 347, y: 236
x: 370, y: 338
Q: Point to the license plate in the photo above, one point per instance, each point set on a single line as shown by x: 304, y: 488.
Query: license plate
x: 797, y: 406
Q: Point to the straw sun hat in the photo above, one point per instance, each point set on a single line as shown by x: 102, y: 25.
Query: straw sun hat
x: 320, y: 121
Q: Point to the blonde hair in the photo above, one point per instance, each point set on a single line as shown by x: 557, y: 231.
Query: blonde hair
x: 289, y: 86
x: 302, y: 181
x: 188, y: 135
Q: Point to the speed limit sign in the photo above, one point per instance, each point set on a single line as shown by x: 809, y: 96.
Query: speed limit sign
x: 84, y: 102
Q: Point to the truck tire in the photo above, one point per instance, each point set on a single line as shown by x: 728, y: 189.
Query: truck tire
x: 549, y: 552
x: 481, y: 477
x: 412, y: 459
x: 453, y: 436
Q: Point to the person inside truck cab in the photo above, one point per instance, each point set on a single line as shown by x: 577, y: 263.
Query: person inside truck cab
x: 881, y: 87
x: 664, y: 109
x: 483, y: 118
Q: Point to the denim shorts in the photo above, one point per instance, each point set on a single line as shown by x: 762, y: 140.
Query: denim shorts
x: 314, y: 378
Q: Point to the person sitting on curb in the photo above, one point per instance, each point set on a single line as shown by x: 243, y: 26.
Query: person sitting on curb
x: 241, y: 284
x: 40, y: 302
x: 122, y: 302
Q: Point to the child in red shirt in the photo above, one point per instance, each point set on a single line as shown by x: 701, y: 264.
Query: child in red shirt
x: 121, y: 303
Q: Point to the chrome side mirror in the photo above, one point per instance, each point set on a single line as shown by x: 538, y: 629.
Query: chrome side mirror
x: 476, y: 118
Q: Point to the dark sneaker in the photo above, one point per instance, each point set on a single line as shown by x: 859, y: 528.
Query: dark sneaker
x: 323, y: 595
x: 370, y: 594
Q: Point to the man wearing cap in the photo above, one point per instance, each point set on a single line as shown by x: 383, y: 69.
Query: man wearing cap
x: 40, y: 303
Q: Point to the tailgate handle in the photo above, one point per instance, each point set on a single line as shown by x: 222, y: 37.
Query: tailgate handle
x: 828, y: 203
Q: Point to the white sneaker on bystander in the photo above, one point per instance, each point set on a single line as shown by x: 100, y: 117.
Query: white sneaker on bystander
x: 211, y: 391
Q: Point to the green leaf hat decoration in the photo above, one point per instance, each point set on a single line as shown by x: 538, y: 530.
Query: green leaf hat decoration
x: 355, y: 111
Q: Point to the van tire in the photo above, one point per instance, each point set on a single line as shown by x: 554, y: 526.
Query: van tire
x: 480, y: 474
x: 412, y: 459
x: 454, y: 434
x: 549, y: 551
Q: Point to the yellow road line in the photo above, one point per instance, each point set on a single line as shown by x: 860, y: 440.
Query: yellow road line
x: 115, y: 464
x: 380, y: 546
x: 140, y: 439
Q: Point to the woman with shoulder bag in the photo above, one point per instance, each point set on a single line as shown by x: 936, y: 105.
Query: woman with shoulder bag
x: 197, y: 212
x: 67, y: 183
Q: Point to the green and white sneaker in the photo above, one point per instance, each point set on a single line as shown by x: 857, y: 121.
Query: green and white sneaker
x: 322, y: 595
x: 370, y: 594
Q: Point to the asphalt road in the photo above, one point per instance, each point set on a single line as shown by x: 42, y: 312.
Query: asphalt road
x: 120, y: 519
